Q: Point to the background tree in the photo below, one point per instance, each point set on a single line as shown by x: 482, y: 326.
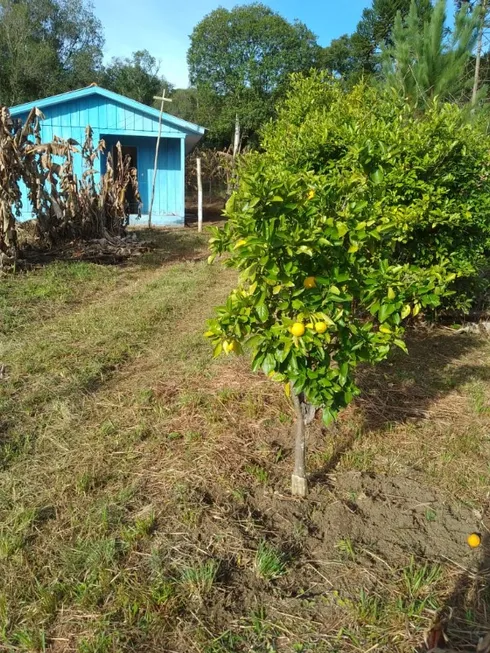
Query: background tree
x: 136, y: 77
x: 47, y: 47
x: 358, y: 55
x: 185, y: 104
x: 429, y: 62
x: 239, y: 61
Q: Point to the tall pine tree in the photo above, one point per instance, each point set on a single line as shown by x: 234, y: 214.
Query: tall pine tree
x: 429, y: 62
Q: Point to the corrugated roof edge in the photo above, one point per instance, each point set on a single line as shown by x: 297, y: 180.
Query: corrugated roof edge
x: 98, y: 90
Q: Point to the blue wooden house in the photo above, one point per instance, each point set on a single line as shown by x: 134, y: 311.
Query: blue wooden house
x: 116, y: 118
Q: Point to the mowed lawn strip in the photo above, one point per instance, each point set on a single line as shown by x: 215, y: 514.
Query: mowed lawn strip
x: 71, y: 355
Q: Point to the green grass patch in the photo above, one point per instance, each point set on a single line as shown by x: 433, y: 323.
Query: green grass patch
x: 29, y: 299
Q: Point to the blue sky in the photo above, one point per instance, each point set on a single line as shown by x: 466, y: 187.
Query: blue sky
x: 163, y: 26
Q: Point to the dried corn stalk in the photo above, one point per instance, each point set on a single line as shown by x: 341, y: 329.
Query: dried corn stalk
x: 64, y: 206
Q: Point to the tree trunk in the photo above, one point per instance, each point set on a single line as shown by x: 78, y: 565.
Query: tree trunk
x: 299, y: 483
x: 236, y: 139
x: 235, y: 153
x: 476, y: 81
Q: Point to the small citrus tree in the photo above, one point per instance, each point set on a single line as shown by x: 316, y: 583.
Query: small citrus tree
x: 357, y: 214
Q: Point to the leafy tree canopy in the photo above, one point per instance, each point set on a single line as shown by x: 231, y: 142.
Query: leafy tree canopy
x: 185, y: 104
x: 136, y: 77
x: 240, y: 60
x: 359, y: 213
x: 47, y: 47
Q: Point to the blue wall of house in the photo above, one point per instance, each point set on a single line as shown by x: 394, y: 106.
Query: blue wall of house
x: 113, y: 121
x: 169, y: 201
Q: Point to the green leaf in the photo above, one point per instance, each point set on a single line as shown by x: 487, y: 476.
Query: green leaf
x: 401, y: 344
x: 262, y: 312
x: 377, y: 176
x: 348, y: 396
x: 385, y: 310
x: 343, y: 372
x: 269, y: 363
x: 405, y: 311
x: 342, y: 229
x: 328, y: 416
x: 254, y: 341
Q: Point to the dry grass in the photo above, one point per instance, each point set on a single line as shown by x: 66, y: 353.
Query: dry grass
x: 144, y: 499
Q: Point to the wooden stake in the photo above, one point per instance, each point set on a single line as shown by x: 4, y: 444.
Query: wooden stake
x: 162, y: 99
x: 299, y: 483
x: 199, y: 195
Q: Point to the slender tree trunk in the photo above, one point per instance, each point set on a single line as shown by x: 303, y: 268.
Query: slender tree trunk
x: 299, y: 482
x: 236, y: 139
x: 476, y: 82
x: 235, y: 153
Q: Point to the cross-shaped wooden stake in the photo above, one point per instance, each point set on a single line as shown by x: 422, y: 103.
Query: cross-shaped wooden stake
x: 162, y: 99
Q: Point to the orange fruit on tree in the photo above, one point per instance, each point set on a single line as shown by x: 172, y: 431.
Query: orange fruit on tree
x: 298, y: 329
x: 309, y: 282
x: 320, y: 327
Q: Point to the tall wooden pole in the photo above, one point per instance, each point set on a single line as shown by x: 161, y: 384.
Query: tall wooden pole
x: 162, y: 99
x: 199, y: 194
x: 476, y: 82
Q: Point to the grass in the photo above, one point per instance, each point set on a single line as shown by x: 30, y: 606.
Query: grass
x: 198, y: 580
x: 144, y: 497
x: 269, y: 562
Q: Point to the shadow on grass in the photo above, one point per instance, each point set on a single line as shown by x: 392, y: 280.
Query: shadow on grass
x: 469, y: 602
x: 171, y: 246
x: 343, y: 444
x: 465, y: 617
x: 163, y: 246
x: 403, y: 388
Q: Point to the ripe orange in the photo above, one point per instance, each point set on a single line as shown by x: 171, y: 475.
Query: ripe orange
x: 309, y: 282
x: 298, y: 329
x: 474, y: 540
x: 320, y: 327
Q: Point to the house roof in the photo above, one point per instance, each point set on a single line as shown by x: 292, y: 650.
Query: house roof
x: 189, y: 127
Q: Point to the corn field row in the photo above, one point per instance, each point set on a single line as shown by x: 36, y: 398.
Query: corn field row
x: 63, y: 205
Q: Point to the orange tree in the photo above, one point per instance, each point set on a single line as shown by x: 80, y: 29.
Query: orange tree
x: 357, y: 214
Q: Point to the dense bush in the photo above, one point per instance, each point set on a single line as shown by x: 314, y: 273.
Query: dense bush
x: 358, y: 214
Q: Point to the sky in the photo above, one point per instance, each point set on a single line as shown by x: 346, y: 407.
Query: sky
x: 163, y: 26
